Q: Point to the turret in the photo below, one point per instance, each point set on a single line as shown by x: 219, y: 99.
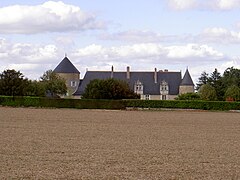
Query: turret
x: 69, y: 72
x: 187, y: 85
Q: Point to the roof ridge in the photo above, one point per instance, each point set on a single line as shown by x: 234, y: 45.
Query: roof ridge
x: 66, y: 66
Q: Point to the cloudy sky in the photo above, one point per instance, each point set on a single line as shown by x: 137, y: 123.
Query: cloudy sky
x: 96, y: 34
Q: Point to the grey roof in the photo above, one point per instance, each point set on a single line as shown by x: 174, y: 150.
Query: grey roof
x: 187, y: 80
x: 147, y: 78
x: 65, y: 66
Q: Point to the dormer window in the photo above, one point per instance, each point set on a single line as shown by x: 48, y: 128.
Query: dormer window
x: 138, y: 87
x: 164, y: 88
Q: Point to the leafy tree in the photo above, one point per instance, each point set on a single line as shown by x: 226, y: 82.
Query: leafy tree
x: 53, y: 84
x: 13, y: 83
x: 231, y: 76
x: 203, y: 79
x: 108, y: 89
x: 215, y: 80
x: 233, y: 93
x: 188, y: 96
x: 36, y: 88
x: 207, y: 92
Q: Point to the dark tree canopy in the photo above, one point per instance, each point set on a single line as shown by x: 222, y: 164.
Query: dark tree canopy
x: 54, y: 84
x: 36, y: 88
x: 108, y: 89
x: 13, y: 83
x: 203, y: 79
x: 231, y: 76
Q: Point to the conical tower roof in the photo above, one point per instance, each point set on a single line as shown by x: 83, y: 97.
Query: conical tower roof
x: 65, y: 66
x: 187, y: 80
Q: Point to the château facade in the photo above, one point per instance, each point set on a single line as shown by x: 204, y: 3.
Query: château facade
x: 155, y: 85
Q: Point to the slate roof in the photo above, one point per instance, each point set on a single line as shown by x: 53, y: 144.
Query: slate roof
x: 187, y: 80
x: 147, y: 78
x: 65, y: 66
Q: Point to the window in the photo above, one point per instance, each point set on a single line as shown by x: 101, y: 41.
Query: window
x: 164, y: 97
x: 164, y: 88
x: 147, y: 97
x: 73, y: 83
x: 138, y: 87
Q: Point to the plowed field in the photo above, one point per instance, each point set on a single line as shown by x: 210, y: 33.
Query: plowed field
x: 98, y: 144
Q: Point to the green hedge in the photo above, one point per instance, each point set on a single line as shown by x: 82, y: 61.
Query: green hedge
x: 116, y: 104
x: 60, y: 103
x: 204, y: 105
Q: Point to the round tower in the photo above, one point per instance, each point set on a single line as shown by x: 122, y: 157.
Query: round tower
x: 69, y: 72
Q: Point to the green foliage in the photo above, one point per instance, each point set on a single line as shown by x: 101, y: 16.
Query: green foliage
x: 203, y: 79
x: 233, y: 92
x: 13, y: 83
x: 53, y: 84
x: 207, y: 92
x: 231, y: 76
x: 188, y: 96
x: 108, y: 89
x: 204, y: 105
x: 35, y: 88
x: 115, y: 104
x: 60, y: 103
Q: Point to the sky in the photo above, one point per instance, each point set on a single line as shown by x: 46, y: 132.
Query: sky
x: 200, y: 35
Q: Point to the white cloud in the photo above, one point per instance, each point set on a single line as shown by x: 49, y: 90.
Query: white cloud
x: 193, y: 51
x: 182, y: 4
x: 50, y: 16
x: 219, y: 35
x: 149, y: 53
x: 227, y: 4
x: 204, y: 4
x: 33, y: 59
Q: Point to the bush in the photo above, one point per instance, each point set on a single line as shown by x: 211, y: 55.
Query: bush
x: 108, y: 89
x: 207, y: 93
x: 233, y: 92
x: 188, y: 96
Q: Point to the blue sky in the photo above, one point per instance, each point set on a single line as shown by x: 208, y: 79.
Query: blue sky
x: 96, y: 34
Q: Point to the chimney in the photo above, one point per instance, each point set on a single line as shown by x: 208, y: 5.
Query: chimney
x: 128, y: 72
x: 155, y: 76
x: 112, y: 72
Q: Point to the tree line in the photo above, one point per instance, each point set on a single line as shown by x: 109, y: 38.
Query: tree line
x: 217, y: 87
x: 213, y: 86
x: 13, y: 83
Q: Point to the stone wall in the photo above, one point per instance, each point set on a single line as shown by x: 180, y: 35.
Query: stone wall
x: 186, y: 89
x: 70, y: 78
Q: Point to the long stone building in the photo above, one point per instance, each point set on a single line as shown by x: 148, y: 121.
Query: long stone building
x: 155, y: 85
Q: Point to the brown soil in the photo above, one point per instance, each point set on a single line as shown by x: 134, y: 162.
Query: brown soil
x: 97, y: 144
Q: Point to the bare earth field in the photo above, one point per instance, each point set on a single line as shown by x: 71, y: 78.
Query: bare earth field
x: 98, y: 144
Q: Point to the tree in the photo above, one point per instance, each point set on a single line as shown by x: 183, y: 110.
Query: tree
x: 203, y: 79
x: 35, y: 88
x: 215, y: 80
x: 233, y: 93
x: 231, y: 76
x: 13, y: 83
x: 54, y: 85
x: 108, y: 89
x: 207, y: 92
